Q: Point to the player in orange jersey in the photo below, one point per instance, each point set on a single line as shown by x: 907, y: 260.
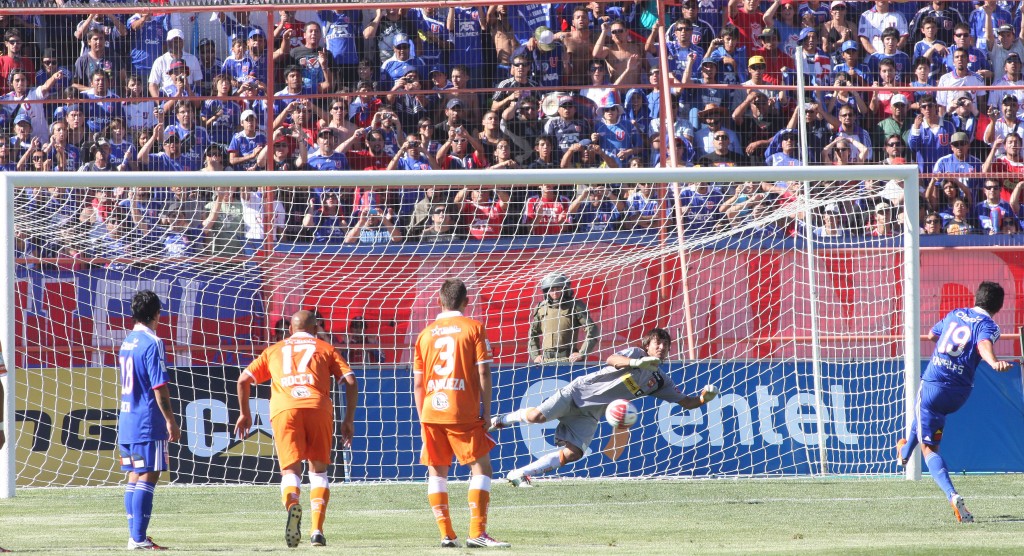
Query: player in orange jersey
x: 452, y: 387
x: 301, y: 369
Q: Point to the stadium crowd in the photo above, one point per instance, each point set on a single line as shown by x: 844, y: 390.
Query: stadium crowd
x: 575, y: 85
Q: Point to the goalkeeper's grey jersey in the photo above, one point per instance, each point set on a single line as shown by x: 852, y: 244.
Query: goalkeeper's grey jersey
x: 610, y: 384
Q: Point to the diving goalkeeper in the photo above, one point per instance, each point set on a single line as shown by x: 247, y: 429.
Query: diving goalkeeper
x: 580, y: 405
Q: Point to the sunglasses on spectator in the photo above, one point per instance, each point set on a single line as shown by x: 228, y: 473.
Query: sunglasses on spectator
x: 839, y: 9
x: 758, y: 67
x: 991, y: 187
x: 521, y: 64
x: 14, y: 41
x: 459, y: 140
x: 895, y: 144
x: 959, y: 144
x: 47, y: 62
x: 337, y: 107
x: 721, y: 137
x: 38, y: 159
x: 618, y: 31
x: 846, y: 115
x: 961, y: 35
x: 842, y: 149
x: 927, y: 106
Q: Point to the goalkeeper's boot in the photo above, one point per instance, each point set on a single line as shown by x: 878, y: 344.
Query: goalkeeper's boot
x: 318, y: 539
x: 292, y: 534
x: 485, y: 541
x: 147, y: 544
x: 496, y: 424
x: 960, y: 509
x: 900, y: 460
x: 449, y: 542
x: 518, y: 479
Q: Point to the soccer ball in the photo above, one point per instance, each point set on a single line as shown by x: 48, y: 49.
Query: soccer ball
x: 621, y: 413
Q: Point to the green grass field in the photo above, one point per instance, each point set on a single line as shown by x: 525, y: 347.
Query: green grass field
x: 842, y: 515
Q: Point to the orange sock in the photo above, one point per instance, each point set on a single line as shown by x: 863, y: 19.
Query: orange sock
x: 479, y: 499
x: 437, y: 495
x: 289, y: 490
x: 318, y: 499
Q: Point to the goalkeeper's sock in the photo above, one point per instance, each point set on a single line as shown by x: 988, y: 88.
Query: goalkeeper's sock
x: 290, y: 489
x: 908, y: 448
x: 517, y: 416
x: 937, y: 469
x: 129, y: 496
x: 142, y: 509
x: 437, y: 495
x: 544, y: 464
x: 319, y: 496
x: 479, y: 499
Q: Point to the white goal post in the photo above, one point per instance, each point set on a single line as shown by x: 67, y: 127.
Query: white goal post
x: 817, y: 357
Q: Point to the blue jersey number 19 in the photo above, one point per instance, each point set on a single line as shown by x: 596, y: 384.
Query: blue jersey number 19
x: 954, y: 339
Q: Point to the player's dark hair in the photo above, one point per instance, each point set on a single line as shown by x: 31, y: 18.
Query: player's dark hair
x: 656, y: 334
x: 989, y: 297
x: 146, y: 306
x: 453, y: 294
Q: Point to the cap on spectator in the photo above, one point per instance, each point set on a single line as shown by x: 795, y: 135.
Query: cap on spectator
x: 177, y: 65
x: 959, y: 137
x: 1005, y: 28
x: 787, y: 2
x: 283, y: 140
x: 898, y: 99
x: 453, y: 103
x: 175, y: 34
x: 711, y: 109
x: 327, y: 131
x: 848, y: 45
x: 708, y: 61
x: 409, y: 68
x: 101, y: 141
x: 566, y: 101
x: 437, y: 69
x: 256, y: 33
x: 788, y: 132
x: 400, y: 38
x: 755, y: 60
x: 545, y: 38
x: 23, y: 117
x: 170, y: 134
x: 1010, y: 99
x: 206, y: 42
x: 72, y: 108
x: 768, y: 32
x: 373, y: 212
x: 49, y: 53
x: 891, y: 32
x: 832, y: 209
x: 804, y: 33
x: 882, y: 207
x: 836, y: 4
x: 246, y: 114
x: 1012, y: 56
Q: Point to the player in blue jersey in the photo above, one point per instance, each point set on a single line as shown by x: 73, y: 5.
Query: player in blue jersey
x: 965, y: 337
x: 146, y: 422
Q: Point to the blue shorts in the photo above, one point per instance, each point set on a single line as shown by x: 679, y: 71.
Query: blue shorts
x: 143, y: 457
x: 934, y: 402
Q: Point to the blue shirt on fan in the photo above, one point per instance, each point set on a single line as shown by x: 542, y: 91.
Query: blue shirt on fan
x: 956, y: 355
x: 141, y: 365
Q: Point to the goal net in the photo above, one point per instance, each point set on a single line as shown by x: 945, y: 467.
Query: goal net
x: 787, y: 288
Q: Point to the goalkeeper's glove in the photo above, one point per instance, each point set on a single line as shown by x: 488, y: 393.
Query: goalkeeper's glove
x: 647, y: 363
x: 709, y: 393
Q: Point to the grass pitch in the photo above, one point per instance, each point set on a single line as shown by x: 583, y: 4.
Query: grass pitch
x: 813, y: 516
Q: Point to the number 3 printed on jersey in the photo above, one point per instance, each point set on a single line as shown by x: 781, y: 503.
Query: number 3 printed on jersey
x: 954, y: 339
x: 446, y: 353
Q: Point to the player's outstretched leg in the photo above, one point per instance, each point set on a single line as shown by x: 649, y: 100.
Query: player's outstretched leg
x: 529, y: 415
x: 544, y: 464
x: 319, y: 496
x: 937, y: 469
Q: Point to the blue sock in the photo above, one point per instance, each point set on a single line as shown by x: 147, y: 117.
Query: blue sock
x: 937, y: 468
x: 129, y: 495
x: 908, y: 448
x: 142, y: 507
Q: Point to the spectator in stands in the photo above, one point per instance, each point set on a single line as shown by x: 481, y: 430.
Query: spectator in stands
x: 774, y: 98
x: 897, y: 123
x: 162, y: 78
x: 695, y: 99
x: 246, y: 145
x: 817, y: 66
x: 167, y: 161
x: 890, y: 52
x: 874, y: 21
x: 409, y: 106
x: 595, y: 209
x: 884, y: 223
x: 721, y: 154
x: 387, y: 123
x: 98, y: 114
x: 579, y: 47
x: 679, y: 49
x: 1011, y: 77
x: 327, y: 157
x: 703, y: 31
x: 959, y: 76
x: 140, y: 114
x: 941, y: 194
x: 499, y: 26
x: 1008, y: 123
x: 1010, y: 161
x: 977, y: 60
x: 374, y: 227
x: 616, y: 134
x: 588, y: 154
x: 34, y: 159
x: 412, y: 156
x: 842, y: 96
x: 502, y: 158
x: 223, y: 228
x: 61, y: 155
x: 439, y: 229
x: 623, y: 56
x: 984, y: 19
x: 756, y: 124
x: 942, y: 18
x: 77, y: 132
x: 739, y: 207
x: 699, y: 204
x: 99, y: 156
x: 401, y: 64
x: 895, y: 149
x: 482, y: 215
x: 999, y: 50
x: 960, y: 161
x: 96, y: 58
x: 930, y: 134
x: 146, y: 33
x: 837, y: 30
x: 433, y: 198
x: 520, y: 124
x: 932, y: 225
x: 290, y: 151
x: 959, y: 223
x: 843, y: 151
x: 731, y: 58
x: 325, y: 222
x: 546, y: 213
x: 194, y: 138
x: 310, y: 57
x: 519, y: 77
x: 932, y: 49
x: 787, y: 155
x: 490, y: 132
x: 544, y: 148
x: 14, y: 60
x: 642, y: 207
x: 566, y: 128
x: 846, y: 125
x: 747, y: 21
x: 469, y: 103
x: 337, y: 119
x: 992, y: 209
x: 22, y: 92
x: 713, y: 116
x: 782, y: 17
x: 372, y: 155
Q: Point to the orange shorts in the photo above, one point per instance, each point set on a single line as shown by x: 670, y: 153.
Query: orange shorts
x: 303, y: 434
x: 467, y: 442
